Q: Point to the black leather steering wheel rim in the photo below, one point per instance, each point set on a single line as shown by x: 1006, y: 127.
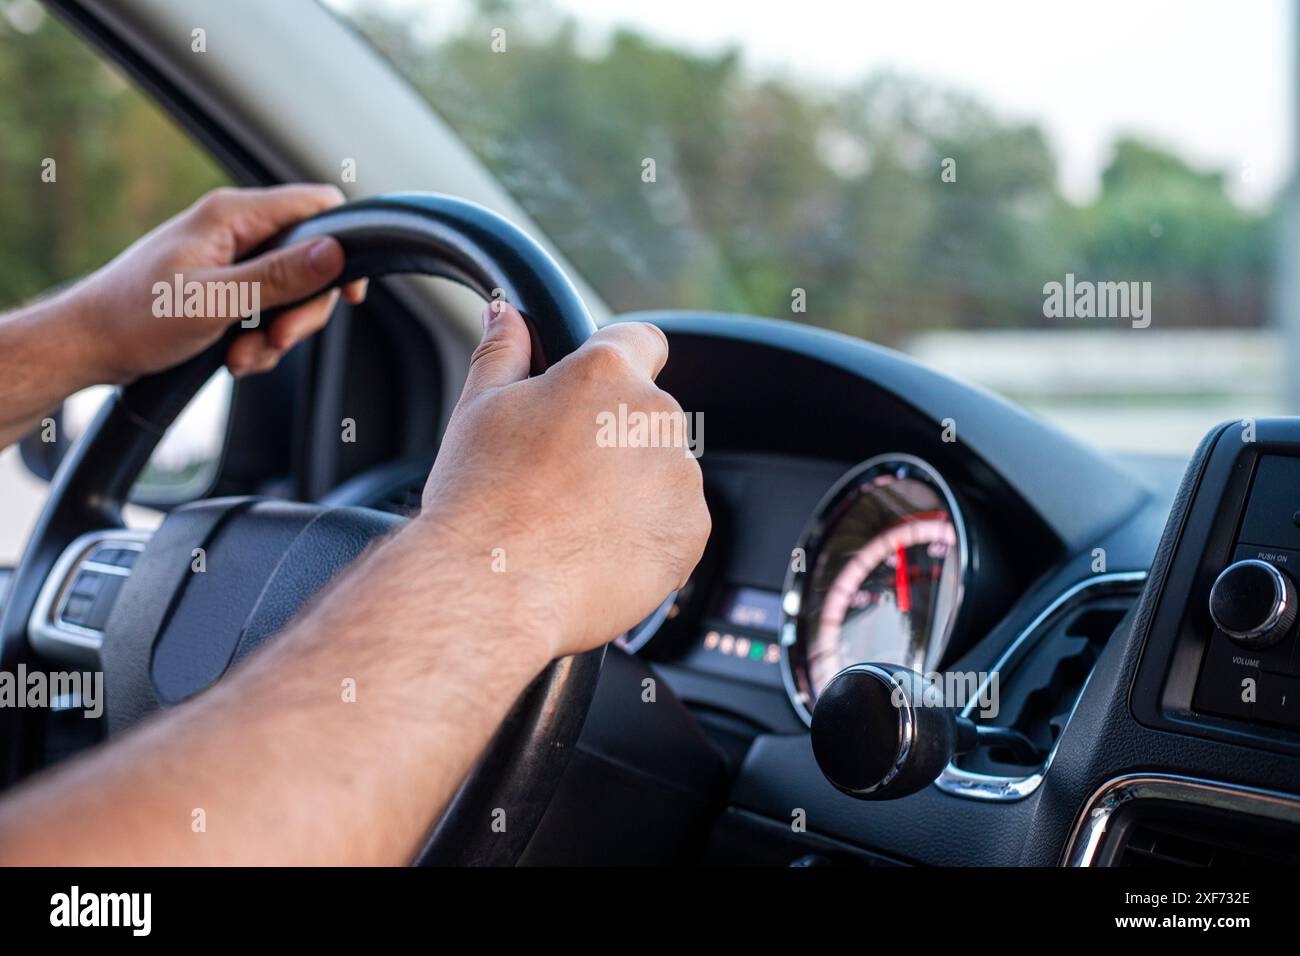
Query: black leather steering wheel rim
x: 398, y: 233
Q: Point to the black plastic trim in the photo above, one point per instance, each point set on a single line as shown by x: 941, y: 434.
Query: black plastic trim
x: 1077, y: 491
x: 1203, y: 534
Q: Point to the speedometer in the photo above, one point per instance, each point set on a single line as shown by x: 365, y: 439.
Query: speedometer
x: 879, y: 576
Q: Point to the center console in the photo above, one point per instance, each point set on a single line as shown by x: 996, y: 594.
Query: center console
x: 1222, y: 657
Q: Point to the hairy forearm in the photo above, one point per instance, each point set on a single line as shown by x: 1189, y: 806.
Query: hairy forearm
x: 44, y: 358
x: 284, y: 765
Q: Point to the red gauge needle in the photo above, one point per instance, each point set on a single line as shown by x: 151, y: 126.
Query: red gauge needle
x: 902, y: 581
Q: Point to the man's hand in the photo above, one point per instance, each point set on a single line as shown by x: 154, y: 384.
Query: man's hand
x: 436, y: 635
x: 104, y: 330
x: 520, y: 470
x: 202, y: 244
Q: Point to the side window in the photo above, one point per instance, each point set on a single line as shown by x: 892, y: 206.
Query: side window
x: 89, y: 164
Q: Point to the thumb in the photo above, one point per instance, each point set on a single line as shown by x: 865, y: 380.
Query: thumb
x: 291, y: 275
x: 503, y: 356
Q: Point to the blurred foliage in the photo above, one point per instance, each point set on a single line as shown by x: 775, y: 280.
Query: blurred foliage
x: 764, y: 185
x: 122, y: 166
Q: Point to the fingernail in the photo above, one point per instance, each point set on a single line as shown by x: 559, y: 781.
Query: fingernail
x: 325, y: 256
x: 490, y: 314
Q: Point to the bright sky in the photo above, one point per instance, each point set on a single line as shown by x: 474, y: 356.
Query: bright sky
x: 1210, y: 78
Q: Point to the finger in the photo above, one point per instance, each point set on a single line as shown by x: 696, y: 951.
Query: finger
x: 260, y: 351
x: 503, y: 355
x: 255, y: 215
x: 250, y: 353
x: 265, y: 364
x: 291, y: 327
x: 287, y: 276
x: 355, y: 292
x: 645, y: 346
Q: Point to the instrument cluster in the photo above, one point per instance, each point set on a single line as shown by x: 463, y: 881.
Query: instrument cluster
x: 880, y: 573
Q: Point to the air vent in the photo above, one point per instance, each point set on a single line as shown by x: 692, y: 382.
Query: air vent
x: 1157, y: 846
x: 1161, y: 820
x: 1037, y: 694
x: 1169, y: 838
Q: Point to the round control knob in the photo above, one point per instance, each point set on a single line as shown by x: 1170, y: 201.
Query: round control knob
x: 1253, y: 602
x: 880, y: 732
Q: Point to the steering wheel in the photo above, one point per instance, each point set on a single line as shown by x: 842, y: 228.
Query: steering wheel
x: 171, y: 632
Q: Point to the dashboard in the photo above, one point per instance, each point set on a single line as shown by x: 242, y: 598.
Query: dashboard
x: 1126, y: 628
x: 836, y: 540
x: 868, y: 509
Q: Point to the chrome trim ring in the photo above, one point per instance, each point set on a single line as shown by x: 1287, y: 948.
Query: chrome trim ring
x: 979, y: 786
x: 48, y: 633
x: 1281, y: 588
x: 1094, y: 822
x: 792, y: 591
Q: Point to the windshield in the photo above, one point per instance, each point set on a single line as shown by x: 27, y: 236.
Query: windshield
x: 1077, y: 206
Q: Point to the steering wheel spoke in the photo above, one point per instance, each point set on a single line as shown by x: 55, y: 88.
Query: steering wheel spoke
x: 172, y: 633
x: 68, y: 620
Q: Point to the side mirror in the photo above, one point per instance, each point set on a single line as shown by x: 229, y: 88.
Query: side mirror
x: 182, y: 467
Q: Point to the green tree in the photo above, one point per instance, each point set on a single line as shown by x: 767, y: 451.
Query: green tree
x: 1160, y: 220
x: 764, y: 185
x: 121, y: 165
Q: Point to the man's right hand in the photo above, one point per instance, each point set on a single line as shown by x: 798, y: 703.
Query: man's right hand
x: 587, y: 540
x: 534, y: 542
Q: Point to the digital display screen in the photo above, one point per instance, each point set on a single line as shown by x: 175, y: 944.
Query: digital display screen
x: 739, y: 637
x: 751, y: 608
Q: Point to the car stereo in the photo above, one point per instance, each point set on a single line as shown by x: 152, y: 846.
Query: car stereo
x: 1222, y: 656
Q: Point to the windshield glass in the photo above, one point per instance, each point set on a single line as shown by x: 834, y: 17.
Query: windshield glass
x: 1076, y: 206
